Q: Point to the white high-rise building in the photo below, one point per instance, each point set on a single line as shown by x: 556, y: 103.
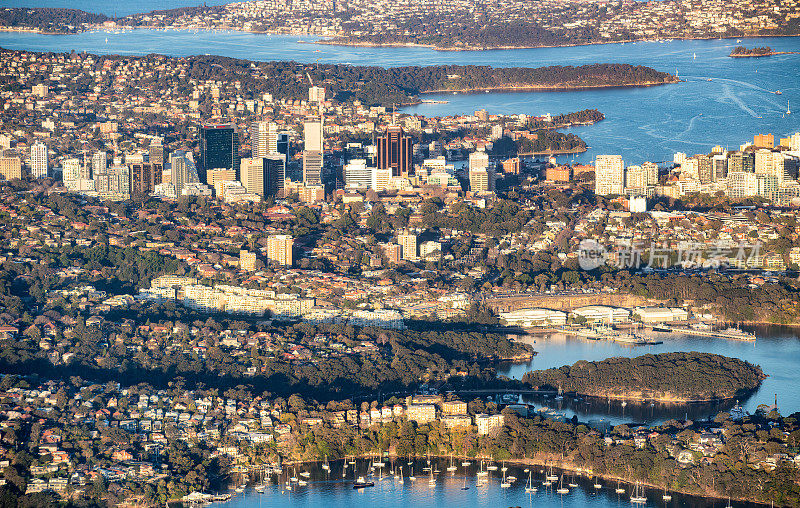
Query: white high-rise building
x: 609, y: 175
x: 71, y: 173
x: 481, y: 176
x: 39, y: 160
x: 312, y: 134
x: 99, y: 163
x: 263, y: 138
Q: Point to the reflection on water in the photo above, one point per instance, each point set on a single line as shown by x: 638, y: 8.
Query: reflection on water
x: 615, y: 412
x: 777, y: 351
x: 329, y: 489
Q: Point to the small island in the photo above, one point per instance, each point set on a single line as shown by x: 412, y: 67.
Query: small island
x: 743, y: 52
x: 667, y: 377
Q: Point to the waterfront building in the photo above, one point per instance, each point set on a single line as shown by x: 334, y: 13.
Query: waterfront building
x: 488, y: 424
x: 421, y: 413
x: 534, y: 317
x: 602, y: 314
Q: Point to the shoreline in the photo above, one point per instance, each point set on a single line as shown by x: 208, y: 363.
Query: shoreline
x: 759, y: 55
x: 331, y: 40
x: 548, y: 461
x: 546, y: 88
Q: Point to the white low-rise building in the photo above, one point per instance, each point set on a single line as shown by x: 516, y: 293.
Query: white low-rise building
x: 534, y: 317
x: 661, y: 314
x: 602, y: 314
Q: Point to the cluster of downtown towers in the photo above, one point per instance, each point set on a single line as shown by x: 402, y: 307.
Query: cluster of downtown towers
x: 264, y: 173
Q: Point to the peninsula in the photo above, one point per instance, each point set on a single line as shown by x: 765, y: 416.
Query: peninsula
x: 667, y: 377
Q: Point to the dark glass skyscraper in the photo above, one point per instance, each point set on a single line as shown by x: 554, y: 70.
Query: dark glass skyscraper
x: 219, y: 146
x: 394, y: 151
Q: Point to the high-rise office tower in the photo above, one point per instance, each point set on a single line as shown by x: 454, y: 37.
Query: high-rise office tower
x: 312, y: 167
x: 263, y: 175
x: 609, y: 175
x: 719, y: 166
x: 219, y: 148
x: 99, y: 163
x: 145, y: 176
x: 263, y: 138
x: 182, y: 170
x: 156, y: 152
x: 39, y: 160
x: 704, y: 168
x: 312, y: 134
x: 279, y: 249
x: 114, y: 183
x: 481, y: 176
x: 394, y: 151
x: 312, y: 152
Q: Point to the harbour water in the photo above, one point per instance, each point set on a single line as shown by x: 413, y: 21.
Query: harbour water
x: 776, y: 350
x: 329, y: 489
x: 112, y: 8
x: 722, y: 100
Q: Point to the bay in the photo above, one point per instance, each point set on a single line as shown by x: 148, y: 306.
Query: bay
x: 776, y: 350
x: 330, y: 489
x: 722, y: 100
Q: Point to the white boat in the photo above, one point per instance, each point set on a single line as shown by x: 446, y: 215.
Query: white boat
x: 561, y: 489
x: 550, y: 476
x: 529, y: 488
x: 597, y: 484
x: 452, y: 467
x: 302, y: 483
x: 305, y: 474
x: 505, y: 483
x: 638, y: 496
x: 466, y: 464
x: 619, y: 490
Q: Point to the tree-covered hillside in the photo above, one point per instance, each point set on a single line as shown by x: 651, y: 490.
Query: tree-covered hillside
x: 669, y: 376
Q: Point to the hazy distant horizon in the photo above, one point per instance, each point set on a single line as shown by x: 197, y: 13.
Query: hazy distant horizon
x: 112, y: 8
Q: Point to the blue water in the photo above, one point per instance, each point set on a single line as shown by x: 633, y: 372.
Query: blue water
x: 325, y: 489
x: 777, y: 351
x: 112, y: 8
x: 641, y: 124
